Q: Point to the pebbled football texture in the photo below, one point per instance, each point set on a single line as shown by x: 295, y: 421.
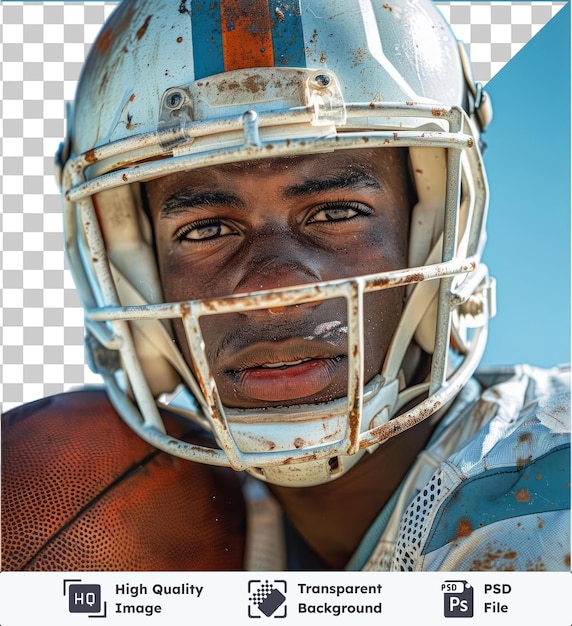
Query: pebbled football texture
x: 82, y: 492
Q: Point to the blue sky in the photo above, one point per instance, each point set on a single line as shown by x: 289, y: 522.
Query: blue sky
x: 528, y: 165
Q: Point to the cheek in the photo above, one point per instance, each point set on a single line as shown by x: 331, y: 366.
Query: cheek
x: 395, y: 245
x: 384, y: 245
x: 372, y: 254
x: 181, y: 278
x: 382, y: 314
x: 177, y: 280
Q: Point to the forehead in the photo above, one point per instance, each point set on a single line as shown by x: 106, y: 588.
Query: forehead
x: 388, y: 165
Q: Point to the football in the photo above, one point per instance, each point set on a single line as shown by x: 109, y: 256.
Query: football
x: 81, y: 491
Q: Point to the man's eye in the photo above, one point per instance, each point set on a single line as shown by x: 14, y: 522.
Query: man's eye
x: 204, y: 230
x: 337, y: 212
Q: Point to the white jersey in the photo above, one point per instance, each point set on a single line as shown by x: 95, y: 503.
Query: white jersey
x: 490, y: 492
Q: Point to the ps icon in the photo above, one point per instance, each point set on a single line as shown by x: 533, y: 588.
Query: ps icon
x: 458, y: 598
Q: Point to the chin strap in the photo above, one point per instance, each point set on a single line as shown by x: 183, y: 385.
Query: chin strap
x: 379, y: 399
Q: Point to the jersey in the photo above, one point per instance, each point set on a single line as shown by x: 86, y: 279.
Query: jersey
x: 490, y: 491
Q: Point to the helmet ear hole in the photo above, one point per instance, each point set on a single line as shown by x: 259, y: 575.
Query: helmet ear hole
x: 334, y: 464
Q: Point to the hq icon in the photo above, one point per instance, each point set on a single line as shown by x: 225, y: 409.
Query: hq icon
x: 84, y: 598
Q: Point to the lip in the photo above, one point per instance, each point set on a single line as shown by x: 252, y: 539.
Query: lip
x: 286, y: 371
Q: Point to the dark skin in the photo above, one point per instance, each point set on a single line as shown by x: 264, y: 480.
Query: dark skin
x: 275, y: 223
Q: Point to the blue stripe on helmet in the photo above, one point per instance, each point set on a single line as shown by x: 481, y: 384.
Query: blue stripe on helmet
x: 287, y: 33
x: 207, y: 38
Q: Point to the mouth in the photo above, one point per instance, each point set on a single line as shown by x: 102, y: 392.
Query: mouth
x: 293, y: 371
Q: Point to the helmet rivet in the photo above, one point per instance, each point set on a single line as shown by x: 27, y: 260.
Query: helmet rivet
x: 322, y: 80
x: 174, y: 100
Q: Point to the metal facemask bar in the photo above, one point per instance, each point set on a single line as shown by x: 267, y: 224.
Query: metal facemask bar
x: 108, y: 320
x: 352, y: 290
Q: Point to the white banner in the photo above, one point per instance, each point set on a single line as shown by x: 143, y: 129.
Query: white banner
x: 181, y: 598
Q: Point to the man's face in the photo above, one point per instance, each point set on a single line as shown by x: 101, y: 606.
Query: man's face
x: 270, y: 224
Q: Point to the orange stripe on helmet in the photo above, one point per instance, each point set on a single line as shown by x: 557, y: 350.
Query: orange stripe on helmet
x: 246, y: 34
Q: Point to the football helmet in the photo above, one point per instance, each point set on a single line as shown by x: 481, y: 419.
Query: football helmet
x: 173, y: 85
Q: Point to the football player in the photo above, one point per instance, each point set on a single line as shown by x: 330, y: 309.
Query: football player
x: 275, y: 214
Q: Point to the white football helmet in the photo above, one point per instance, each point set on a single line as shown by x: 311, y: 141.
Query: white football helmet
x: 173, y: 85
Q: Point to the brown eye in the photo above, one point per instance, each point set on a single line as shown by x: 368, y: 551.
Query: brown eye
x: 204, y: 231
x: 337, y: 212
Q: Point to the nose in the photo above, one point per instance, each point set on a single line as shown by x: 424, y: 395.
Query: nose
x: 271, y: 274
x: 279, y: 263
x: 274, y: 274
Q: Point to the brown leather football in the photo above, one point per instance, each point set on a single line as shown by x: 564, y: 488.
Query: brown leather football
x: 81, y: 491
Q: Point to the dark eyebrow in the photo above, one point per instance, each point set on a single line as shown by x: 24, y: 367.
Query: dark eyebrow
x: 189, y: 198
x: 343, y: 180
x: 186, y: 199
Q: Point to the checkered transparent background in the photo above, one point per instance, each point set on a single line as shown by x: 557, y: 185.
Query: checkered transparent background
x: 42, y: 48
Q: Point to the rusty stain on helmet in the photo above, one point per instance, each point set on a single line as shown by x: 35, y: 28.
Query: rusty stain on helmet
x: 264, y: 443
x: 217, y: 417
x: 438, y: 112
x: 185, y: 311
x: 359, y: 56
x: 108, y: 35
x: 291, y: 461
x: 90, y: 156
x: 143, y: 28
x: 400, y: 424
x: 252, y: 84
x: 104, y: 41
